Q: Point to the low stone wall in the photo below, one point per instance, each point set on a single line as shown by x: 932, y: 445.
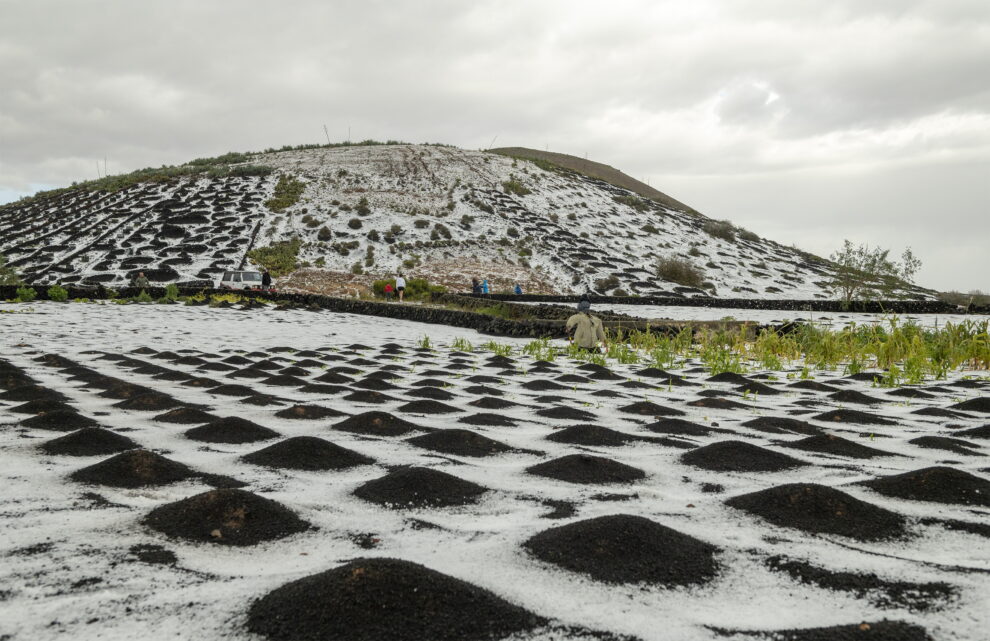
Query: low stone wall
x: 872, y: 307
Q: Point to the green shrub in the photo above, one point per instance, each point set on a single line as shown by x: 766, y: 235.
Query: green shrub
x: 419, y: 223
x: 171, y: 292
x: 694, y: 251
x: 373, y: 235
x: 745, y: 234
x: 279, y: 258
x: 650, y: 229
x: 719, y: 229
x: 324, y: 234
x: 144, y: 297
x: 680, y: 271
x: 513, y: 186
x: 287, y: 193
x: 26, y: 294
x: 354, y: 223
x: 632, y: 201
x: 362, y: 209
x: 7, y: 274
x: 58, y: 294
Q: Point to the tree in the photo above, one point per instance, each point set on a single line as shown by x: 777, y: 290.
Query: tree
x: 864, y: 271
x: 7, y: 274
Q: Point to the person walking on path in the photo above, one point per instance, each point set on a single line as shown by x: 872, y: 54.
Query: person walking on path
x: 475, y: 286
x: 266, y: 280
x: 484, y: 286
x: 388, y: 292
x: 400, y: 285
x: 586, y: 331
x: 518, y: 290
x: 142, y: 280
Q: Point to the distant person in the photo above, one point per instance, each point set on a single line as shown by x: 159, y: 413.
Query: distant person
x: 400, y: 285
x: 475, y: 286
x: 585, y: 330
x: 266, y: 280
x: 518, y: 290
x: 484, y: 286
x: 389, y: 290
x: 142, y: 280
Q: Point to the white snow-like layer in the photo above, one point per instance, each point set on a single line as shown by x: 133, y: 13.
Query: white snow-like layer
x: 53, y: 591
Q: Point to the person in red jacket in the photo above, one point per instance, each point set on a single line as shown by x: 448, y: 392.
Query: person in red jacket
x: 388, y: 292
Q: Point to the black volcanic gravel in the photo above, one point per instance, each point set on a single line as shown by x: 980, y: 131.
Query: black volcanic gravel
x: 586, y: 469
x: 753, y: 387
x: 376, y: 384
x: 134, y: 468
x: 622, y: 548
x: 910, y: 392
x: 385, y: 599
x: 718, y: 404
x: 415, y: 487
x: 820, y: 510
x: 981, y: 404
x: 307, y: 453
x: 369, y: 396
x: 782, y: 425
x: 186, y: 416
x: 814, y: 386
x: 151, y: 402
x: 310, y: 412
x: 836, y: 445
x: 679, y: 427
x: 938, y: 484
x: 89, y: 441
x: 377, y: 424
x: 852, y: 416
x: 231, y: 429
x: 566, y: 413
x: 334, y: 378
x: 234, y: 390
x: 59, y: 421
x: 852, y: 396
x: 593, y: 435
x: 489, y: 403
x: 226, y: 517
x: 428, y: 407
x: 646, y: 408
x: 739, y: 456
x: 488, y: 420
x: 863, y: 631
x: 976, y: 432
x: 41, y: 406
x: 729, y: 377
x: 882, y: 593
x: 459, y: 442
x: 32, y: 392
x: 954, y: 445
x: 541, y: 385
x: 431, y: 393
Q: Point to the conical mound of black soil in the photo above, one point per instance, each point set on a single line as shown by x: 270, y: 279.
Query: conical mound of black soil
x: 820, y: 510
x: 835, y: 445
x: 414, y: 487
x: 679, y: 427
x: 152, y: 402
x: 460, y: 443
x: 739, y: 456
x: 541, y: 385
x: 89, y: 441
x: 646, y: 408
x: 954, y: 445
x: 588, y: 470
x: 377, y: 424
x: 309, y: 412
x: 227, y: 517
x: 873, y: 631
x: 782, y: 425
x: 653, y: 372
x: 32, y: 392
x: 852, y: 396
x: 59, y: 421
x: 852, y: 416
x: 334, y: 378
x: 307, y: 453
x: 729, y: 377
x: 626, y: 549
x: 428, y: 407
x: 41, y: 406
x: 593, y: 435
x: 866, y: 377
x: 134, y: 468
x: 814, y: 386
x: 489, y: 403
x: 186, y: 416
x: 938, y: 484
x: 378, y: 599
x: 487, y: 419
x: 717, y: 403
x: 566, y: 414
x: 981, y: 404
x: 231, y: 429
x: 368, y: 396
x: 910, y: 392
x: 431, y: 393
x: 124, y: 390
x: 976, y: 432
x: 233, y: 390
x: 376, y: 384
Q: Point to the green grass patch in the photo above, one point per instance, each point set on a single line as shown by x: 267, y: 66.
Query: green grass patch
x: 287, y: 193
x: 279, y: 258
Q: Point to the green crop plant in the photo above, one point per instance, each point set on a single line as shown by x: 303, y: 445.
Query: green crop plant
x: 26, y: 294
x: 58, y: 294
x: 424, y: 342
x: 462, y: 345
x: 499, y: 349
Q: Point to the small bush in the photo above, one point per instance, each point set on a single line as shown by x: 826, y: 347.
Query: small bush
x: 354, y: 223
x: 26, y: 294
x: 679, y: 271
x: 171, y: 292
x: 694, y: 251
x: 512, y: 232
x: 362, y: 209
x: 144, y: 297
x: 395, y: 230
x: 7, y: 274
x: 719, y: 229
x: 287, y: 193
x: 373, y: 236
x: 278, y: 258
x: 513, y: 186
x: 745, y: 234
x: 620, y: 292
x: 650, y: 229
x: 419, y: 223
x: 605, y: 284
x: 632, y: 201
x: 58, y: 294
x: 324, y: 234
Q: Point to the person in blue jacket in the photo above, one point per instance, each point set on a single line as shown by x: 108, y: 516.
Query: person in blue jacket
x: 518, y: 289
x: 484, y: 286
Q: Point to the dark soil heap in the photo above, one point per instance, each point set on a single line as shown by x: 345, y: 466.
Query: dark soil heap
x: 646, y: 408
x: 981, y: 404
x: 431, y: 393
x: 152, y: 402
x: 135, y: 468
x: 377, y: 424
x: 852, y: 396
x: 814, y: 386
x: 89, y: 441
x: 227, y: 517
x: 820, y: 510
x: 882, y: 593
x: 541, y: 385
x: 428, y: 407
x: 460, y: 443
x: 874, y: 631
x: 59, y: 421
x: 489, y: 403
x: 566, y: 414
x: 679, y: 427
x: 233, y: 390
x: 231, y: 429
x: 739, y: 456
x: 414, y: 487
x: 307, y: 453
x: 717, y: 403
x: 385, y: 599
x: 836, y: 445
x: 593, y: 435
x: 32, y: 392
x: 622, y: 548
x: 487, y: 419
x: 588, y: 470
x: 782, y: 425
x: 976, y: 432
x: 729, y: 377
x: 40, y: 407
x: 308, y: 412
x: 852, y: 416
x: 954, y: 445
x: 939, y: 484
x: 186, y: 416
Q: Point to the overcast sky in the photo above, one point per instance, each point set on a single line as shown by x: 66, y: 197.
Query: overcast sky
x: 806, y: 125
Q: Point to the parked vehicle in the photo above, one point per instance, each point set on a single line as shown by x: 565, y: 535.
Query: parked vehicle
x: 240, y: 280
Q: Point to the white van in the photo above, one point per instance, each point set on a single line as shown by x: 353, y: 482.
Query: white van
x: 240, y: 280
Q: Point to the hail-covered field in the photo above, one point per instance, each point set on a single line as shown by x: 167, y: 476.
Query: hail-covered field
x: 189, y: 472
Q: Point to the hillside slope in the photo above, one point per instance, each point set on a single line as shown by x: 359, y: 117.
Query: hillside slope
x: 444, y: 213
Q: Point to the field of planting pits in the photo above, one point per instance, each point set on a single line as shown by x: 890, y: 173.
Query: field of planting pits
x: 189, y: 472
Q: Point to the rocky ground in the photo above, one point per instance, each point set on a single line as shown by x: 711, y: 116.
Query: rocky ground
x: 174, y: 471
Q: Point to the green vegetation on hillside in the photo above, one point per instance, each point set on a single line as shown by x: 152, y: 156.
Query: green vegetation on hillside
x: 279, y: 258
x: 287, y: 193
